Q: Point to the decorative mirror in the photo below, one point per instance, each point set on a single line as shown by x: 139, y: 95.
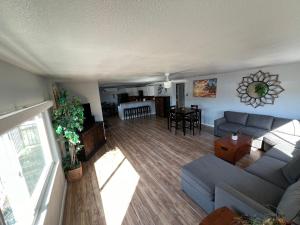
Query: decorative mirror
x: 259, y: 89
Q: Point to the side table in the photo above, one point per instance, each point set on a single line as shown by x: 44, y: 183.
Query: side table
x: 232, y: 151
x: 221, y: 216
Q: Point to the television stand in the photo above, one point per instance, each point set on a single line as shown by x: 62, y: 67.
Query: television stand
x: 92, y: 139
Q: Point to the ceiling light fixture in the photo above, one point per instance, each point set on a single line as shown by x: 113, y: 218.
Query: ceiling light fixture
x: 167, y: 83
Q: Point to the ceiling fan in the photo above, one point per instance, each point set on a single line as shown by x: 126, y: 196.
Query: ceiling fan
x: 167, y: 83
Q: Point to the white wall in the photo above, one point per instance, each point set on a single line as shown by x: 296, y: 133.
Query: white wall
x: 167, y: 92
x: 287, y: 105
x: 110, y: 94
x: 88, y: 92
x: 19, y: 88
x: 147, y: 90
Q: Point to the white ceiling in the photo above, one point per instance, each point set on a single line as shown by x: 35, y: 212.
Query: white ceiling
x: 117, y: 41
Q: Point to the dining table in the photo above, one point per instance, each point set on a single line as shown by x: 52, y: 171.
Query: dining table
x: 184, y: 112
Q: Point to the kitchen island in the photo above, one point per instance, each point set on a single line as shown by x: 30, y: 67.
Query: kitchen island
x: 130, y: 105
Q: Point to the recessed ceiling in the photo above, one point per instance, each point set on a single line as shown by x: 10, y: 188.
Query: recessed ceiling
x: 137, y: 41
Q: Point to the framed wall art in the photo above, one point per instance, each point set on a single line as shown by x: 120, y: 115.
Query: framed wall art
x: 205, y: 88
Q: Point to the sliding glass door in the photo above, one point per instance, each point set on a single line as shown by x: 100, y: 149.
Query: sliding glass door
x: 25, y: 163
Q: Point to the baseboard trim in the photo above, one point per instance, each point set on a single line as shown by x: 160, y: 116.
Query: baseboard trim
x: 62, y: 209
x: 208, y: 125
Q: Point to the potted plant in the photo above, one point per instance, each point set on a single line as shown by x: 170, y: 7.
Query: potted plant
x: 268, y: 220
x: 67, y: 120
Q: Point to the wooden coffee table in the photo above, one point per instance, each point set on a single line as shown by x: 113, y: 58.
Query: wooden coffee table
x: 221, y: 216
x: 232, y: 151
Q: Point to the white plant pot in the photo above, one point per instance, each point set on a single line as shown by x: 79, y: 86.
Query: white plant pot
x: 234, y: 137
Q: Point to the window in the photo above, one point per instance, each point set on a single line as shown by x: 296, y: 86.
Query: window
x: 25, y: 165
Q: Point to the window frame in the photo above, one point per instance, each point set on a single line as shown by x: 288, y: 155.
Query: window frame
x: 13, y: 119
x: 51, y: 170
x: 48, y: 173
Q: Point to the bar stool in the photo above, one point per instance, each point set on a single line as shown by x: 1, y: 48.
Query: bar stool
x: 135, y: 113
x: 130, y: 113
x: 148, y: 110
x: 126, y: 114
x: 144, y: 111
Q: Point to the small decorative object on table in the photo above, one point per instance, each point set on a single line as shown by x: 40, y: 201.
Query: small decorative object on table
x: 234, y: 136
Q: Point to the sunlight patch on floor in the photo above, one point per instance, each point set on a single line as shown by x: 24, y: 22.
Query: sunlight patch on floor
x: 117, y: 181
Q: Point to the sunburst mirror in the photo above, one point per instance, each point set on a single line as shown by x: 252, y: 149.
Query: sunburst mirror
x: 259, y: 89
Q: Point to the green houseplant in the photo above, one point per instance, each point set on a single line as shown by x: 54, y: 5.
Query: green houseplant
x: 268, y: 220
x: 261, y: 89
x: 67, y: 120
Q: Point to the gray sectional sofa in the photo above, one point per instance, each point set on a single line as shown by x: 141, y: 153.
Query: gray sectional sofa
x: 267, y: 131
x: 269, y: 185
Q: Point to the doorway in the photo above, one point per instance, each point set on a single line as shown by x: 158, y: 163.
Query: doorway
x: 180, y: 95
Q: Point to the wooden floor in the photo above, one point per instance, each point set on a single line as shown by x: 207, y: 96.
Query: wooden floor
x: 135, y: 177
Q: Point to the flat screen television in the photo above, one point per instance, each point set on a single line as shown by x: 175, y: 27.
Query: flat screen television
x: 89, y: 119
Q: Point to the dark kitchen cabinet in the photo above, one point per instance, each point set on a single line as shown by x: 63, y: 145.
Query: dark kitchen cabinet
x: 162, y: 105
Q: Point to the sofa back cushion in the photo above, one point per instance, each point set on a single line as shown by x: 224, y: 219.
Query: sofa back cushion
x: 236, y: 117
x: 260, y: 121
x: 286, y: 126
x: 291, y: 170
x: 289, y: 205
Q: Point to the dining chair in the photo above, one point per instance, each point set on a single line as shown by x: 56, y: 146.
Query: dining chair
x: 194, y: 119
x: 171, y: 119
x: 175, y: 120
x: 197, y: 119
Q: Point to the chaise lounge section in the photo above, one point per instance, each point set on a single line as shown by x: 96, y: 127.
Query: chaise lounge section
x: 200, y: 178
x: 265, y: 188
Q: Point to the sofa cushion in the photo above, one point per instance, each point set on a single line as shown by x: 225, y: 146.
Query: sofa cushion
x: 260, y: 121
x: 200, y: 198
x: 291, y: 170
x: 231, y: 127
x: 283, y: 137
x: 269, y: 169
x: 289, y: 205
x: 207, y: 171
x: 227, y: 196
x: 283, y: 152
x: 286, y: 126
x: 236, y: 117
x: 272, y: 139
x: 254, y: 132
